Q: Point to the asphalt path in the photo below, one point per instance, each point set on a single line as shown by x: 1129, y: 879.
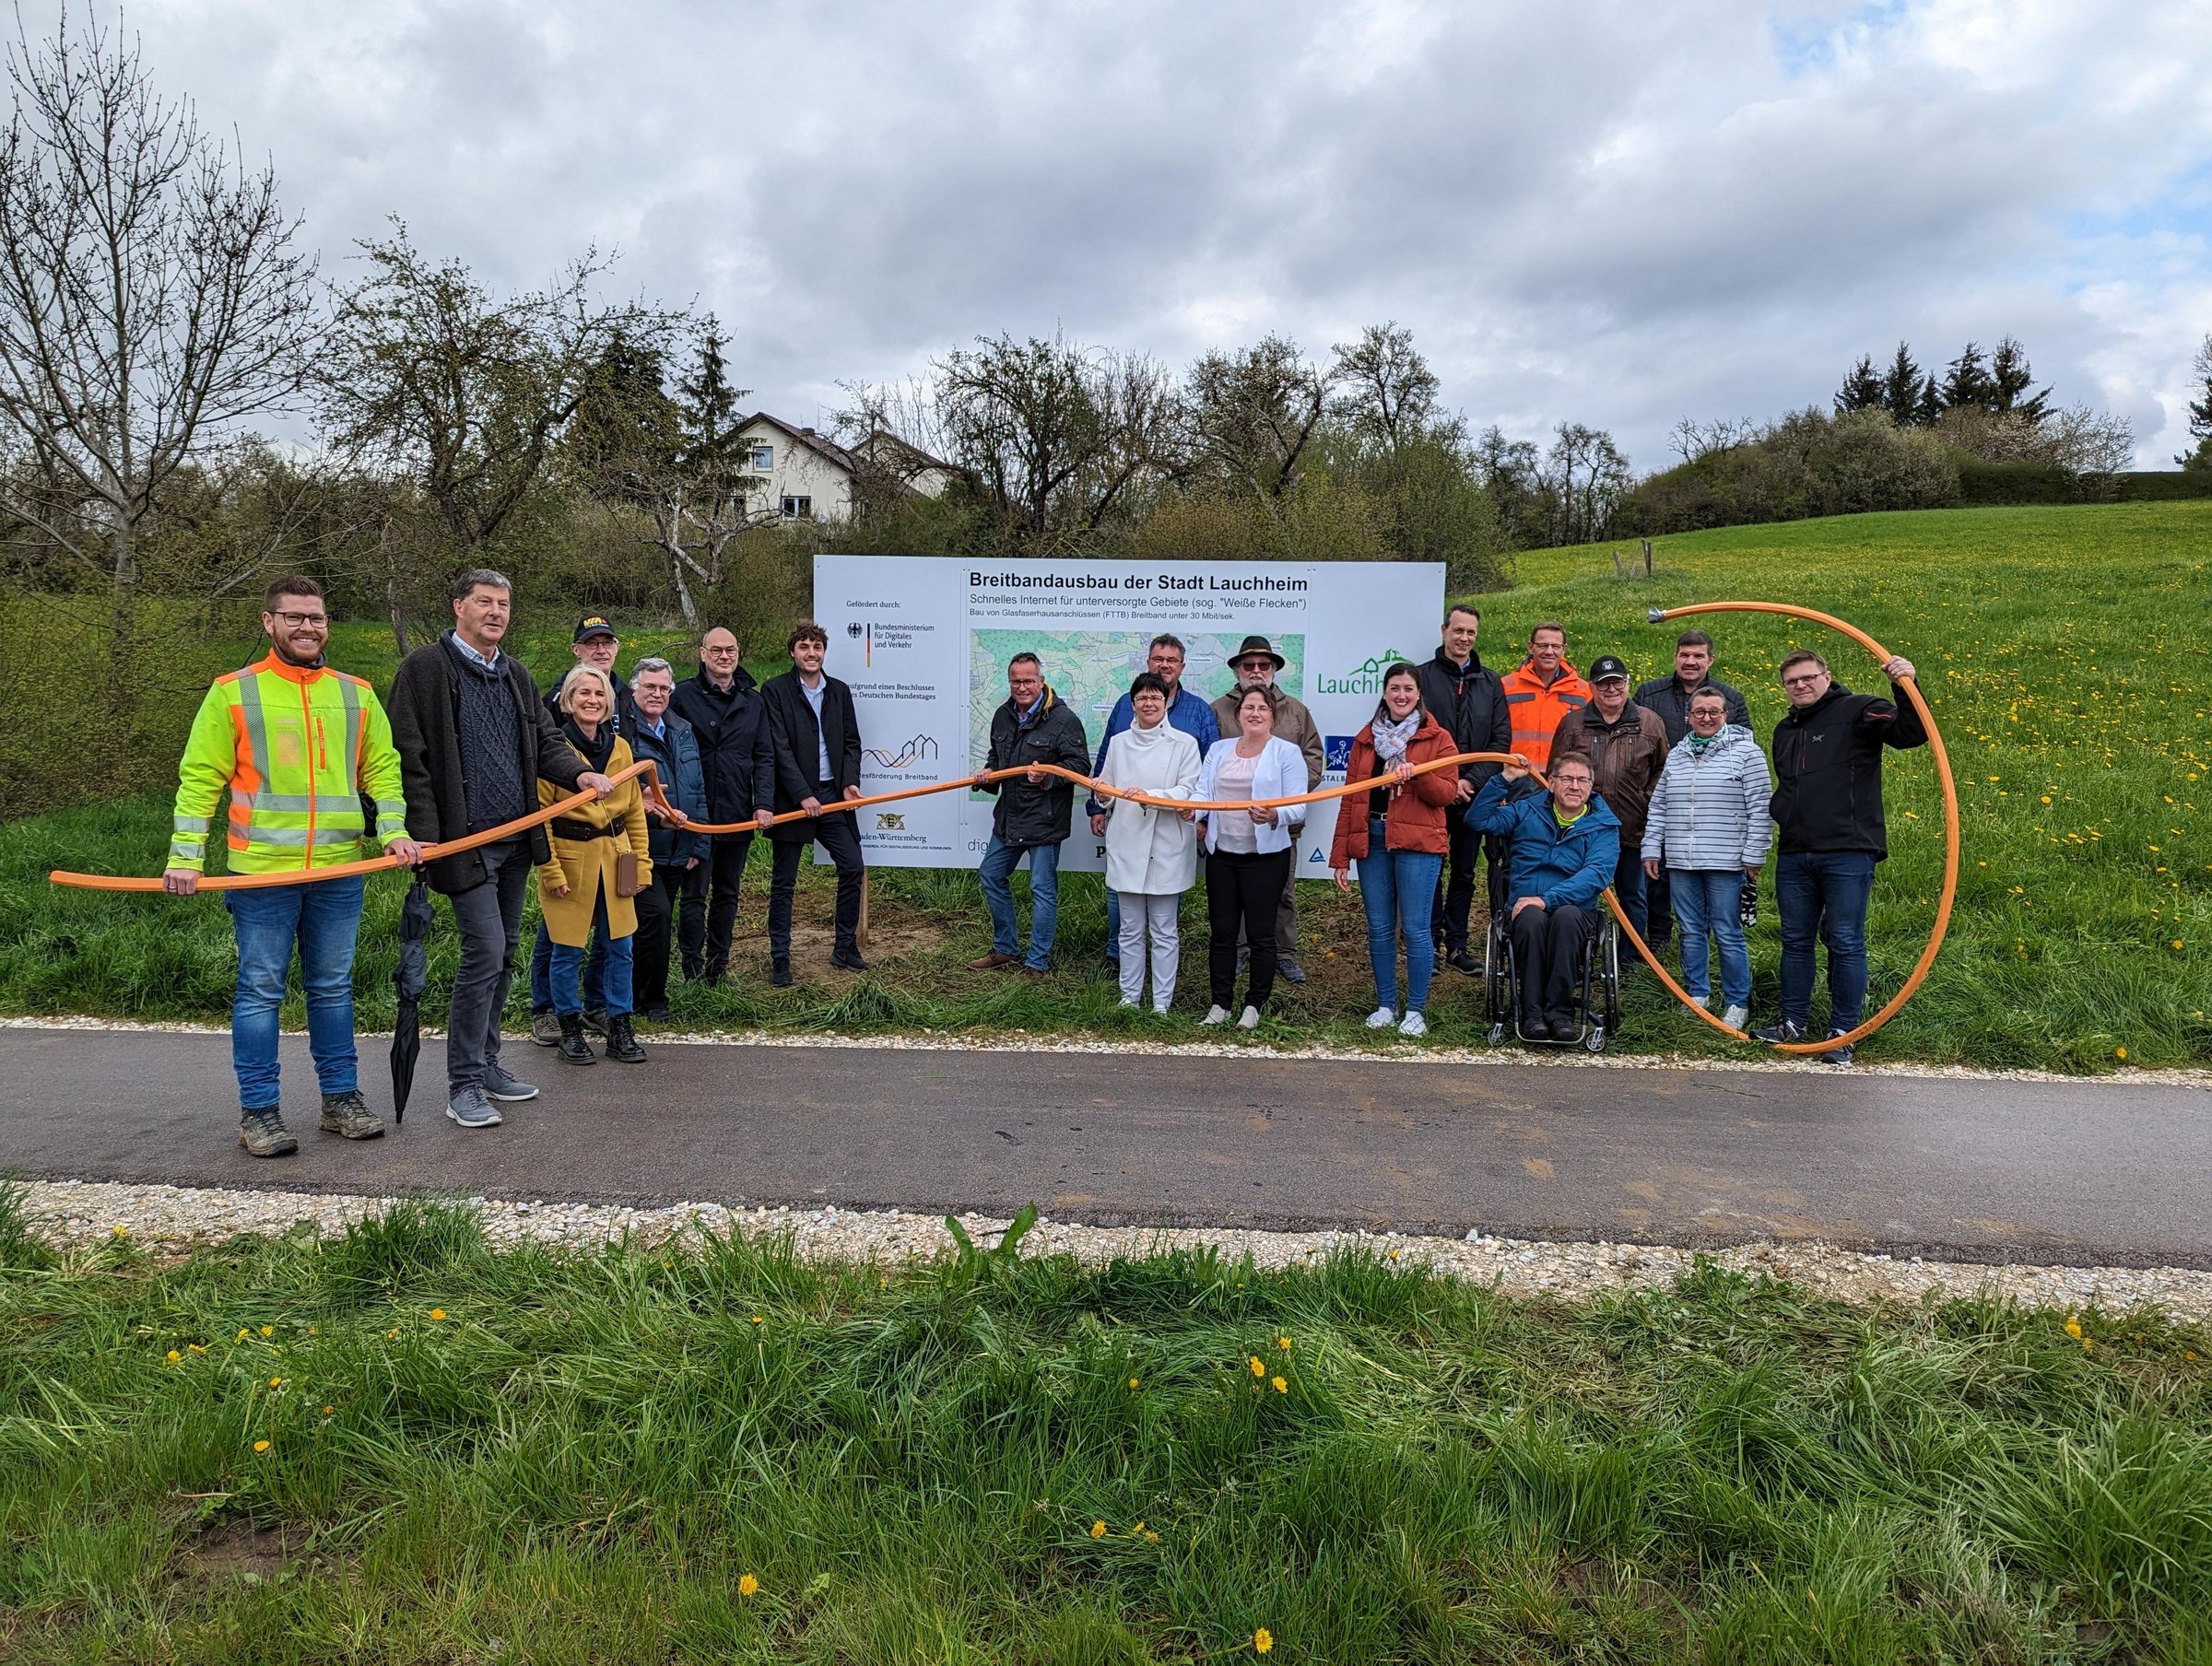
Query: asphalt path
x: 1988, y: 1170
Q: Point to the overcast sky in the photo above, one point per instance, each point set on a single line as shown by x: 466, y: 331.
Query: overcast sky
x: 1616, y: 212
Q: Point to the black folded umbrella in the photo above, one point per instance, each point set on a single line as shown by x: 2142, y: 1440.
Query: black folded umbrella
x: 407, y: 978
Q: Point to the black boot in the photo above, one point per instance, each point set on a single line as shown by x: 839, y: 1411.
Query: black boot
x: 574, y: 1048
x: 622, y: 1042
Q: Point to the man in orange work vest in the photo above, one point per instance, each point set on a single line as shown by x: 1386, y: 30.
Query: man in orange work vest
x: 297, y: 748
x: 1542, y: 692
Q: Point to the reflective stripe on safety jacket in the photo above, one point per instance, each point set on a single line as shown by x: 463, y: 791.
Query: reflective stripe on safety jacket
x: 1537, y: 707
x: 296, y: 748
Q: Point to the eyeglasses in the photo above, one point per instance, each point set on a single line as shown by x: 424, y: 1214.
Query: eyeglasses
x: 1806, y: 681
x: 297, y: 619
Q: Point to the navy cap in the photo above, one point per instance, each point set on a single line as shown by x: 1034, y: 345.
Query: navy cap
x: 591, y: 625
x: 1606, y: 667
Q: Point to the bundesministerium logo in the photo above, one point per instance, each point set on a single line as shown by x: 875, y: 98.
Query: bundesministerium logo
x: 1363, y: 678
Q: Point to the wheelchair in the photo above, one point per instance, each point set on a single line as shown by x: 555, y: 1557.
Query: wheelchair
x: 1597, y: 1013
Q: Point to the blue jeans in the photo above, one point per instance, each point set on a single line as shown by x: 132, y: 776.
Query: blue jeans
x: 1627, y: 885
x: 1823, y: 894
x: 1706, y: 902
x: 323, y: 920
x: 612, y: 987
x: 594, y: 971
x: 1398, y: 890
x: 999, y: 860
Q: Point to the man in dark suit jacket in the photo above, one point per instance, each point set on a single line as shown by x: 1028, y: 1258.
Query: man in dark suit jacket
x: 731, y: 719
x: 474, y: 741
x: 817, y: 738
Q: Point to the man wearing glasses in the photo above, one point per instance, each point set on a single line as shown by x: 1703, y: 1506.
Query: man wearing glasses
x: 1831, y: 832
x: 296, y: 747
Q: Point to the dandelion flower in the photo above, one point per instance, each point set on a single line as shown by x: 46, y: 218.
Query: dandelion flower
x: 1133, y: 1382
x: 391, y: 1335
x: 268, y: 1329
x: 1283, y: 1343
x: 1098, y: 1530
x: 175, y: 1357
x: 194, y: 1348
x: 1281, y: 1387
x: 1262, y: 1640
x: 276, y: 1382
x: 2073, y: 1327
x: 758, y: 1320
x: 1153, y: 1537
x: 328, y: 1410
x: 747, y: 1586
x: 1137, y: 1531
x: 261, y: 1446
x: 437, y: 1315
x: 122, y: 1231
x: 242, y: 1335
x: 1257, y: 1368
x: 2120, y: 1053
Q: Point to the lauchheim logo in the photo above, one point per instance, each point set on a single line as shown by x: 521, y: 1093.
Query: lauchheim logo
x: 1363, y: 678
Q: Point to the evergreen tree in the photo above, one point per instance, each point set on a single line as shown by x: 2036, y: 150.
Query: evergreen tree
x: 1928, y: 411
x: 1966, y: 384
x: 707, y: 401
x: 2010, y: 380
x: 1861, y: 390
x: 2200, y: 412
x: 1900, y: 388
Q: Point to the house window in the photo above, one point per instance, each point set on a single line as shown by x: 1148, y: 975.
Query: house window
x: 764, y: 459
x: 797, y: 509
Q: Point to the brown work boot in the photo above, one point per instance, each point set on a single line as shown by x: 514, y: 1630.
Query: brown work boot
x: 348, y: 1114
x: 991, y: 962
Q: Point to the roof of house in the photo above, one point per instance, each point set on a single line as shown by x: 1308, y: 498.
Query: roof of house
x: 821, y: 444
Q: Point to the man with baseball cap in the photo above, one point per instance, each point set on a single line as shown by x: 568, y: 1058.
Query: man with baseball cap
x: 1626, y: 744
x: 593, y: 644
x: 1255, y: 664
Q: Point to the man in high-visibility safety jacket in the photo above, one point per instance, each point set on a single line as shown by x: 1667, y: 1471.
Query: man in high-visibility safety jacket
x: 297, y: 748
x: 1540, y: 693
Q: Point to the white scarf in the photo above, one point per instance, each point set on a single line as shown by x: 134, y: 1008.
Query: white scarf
x: 1392, y: 739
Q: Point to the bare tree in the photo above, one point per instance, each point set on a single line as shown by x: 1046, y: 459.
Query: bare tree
x: 1389, y: 391
x: 466, y: 395
x: 152, y: 300
x: 1056, y: 434
x: 1694, y: 440
x: 1587, y: 477
x: 1253, y: 413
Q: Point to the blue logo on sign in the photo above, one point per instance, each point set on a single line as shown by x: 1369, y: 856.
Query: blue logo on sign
x: 1337, y: 750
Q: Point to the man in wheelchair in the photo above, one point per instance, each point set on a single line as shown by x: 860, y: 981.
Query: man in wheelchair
x: 1564, y: 847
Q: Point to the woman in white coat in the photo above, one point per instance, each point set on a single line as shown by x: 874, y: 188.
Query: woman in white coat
x: 1249, y: 852
x: 1151, y: 855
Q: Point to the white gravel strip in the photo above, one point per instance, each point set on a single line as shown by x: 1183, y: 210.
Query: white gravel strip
x: 1432, y: 1052
x: 81, y: 1214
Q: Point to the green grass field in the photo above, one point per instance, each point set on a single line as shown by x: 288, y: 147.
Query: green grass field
x: 2064, y: 649
x: 399, y: 1447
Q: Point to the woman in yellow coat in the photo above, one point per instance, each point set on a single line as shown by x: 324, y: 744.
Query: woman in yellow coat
x: 585, y: 884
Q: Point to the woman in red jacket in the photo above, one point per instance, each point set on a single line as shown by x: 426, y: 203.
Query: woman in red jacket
x: 1399, y: 842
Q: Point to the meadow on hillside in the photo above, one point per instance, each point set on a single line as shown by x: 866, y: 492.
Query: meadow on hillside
x: 2062, y: 650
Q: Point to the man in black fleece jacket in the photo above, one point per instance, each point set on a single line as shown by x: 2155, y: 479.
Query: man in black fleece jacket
x: 473, y: 738
x: 1831, y: 833
x: 1466, y: 697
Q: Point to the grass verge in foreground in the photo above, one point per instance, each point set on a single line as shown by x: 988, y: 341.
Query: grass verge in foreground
x: 400, y: 1445
x: 2059, y: 648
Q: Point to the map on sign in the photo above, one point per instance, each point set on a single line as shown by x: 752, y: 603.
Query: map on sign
x: 1091, y: 669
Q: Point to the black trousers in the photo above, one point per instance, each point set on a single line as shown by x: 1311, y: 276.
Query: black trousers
x: 1455, y: 885
x: 656, y: 905
x: 1242, y: 893
x: 704, y: 932
x: 839, y: 837
x: 1548, y: 960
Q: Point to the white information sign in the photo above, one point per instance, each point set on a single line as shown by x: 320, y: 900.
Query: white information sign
x: 925, y: 639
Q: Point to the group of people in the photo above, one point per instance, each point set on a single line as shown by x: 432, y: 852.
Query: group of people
x: 1662, y: 795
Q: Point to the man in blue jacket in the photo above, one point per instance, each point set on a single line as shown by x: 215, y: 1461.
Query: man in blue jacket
x: 659, y: 734
x: 1564, y: 846
x: 1186, y: 711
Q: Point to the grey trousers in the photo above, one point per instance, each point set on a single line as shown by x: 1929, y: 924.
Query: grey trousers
x: 489, y: 918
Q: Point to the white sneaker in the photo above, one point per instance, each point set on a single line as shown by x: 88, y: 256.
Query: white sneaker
x: 1736, y: 1017
x: 1702, y: 1002
x: 1381, y: 1018
x: 1129, y: 1003
x: 1414, y: 1025
x: 1251, y: 1018
x: 1216, y: 1015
